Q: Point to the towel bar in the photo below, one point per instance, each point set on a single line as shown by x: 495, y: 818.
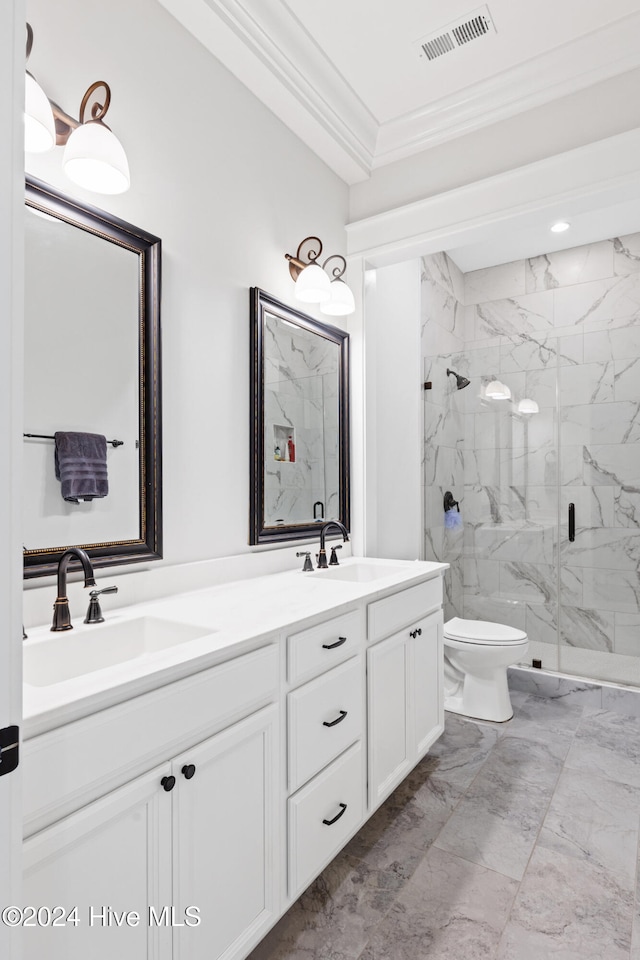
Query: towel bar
x: 45, y: 436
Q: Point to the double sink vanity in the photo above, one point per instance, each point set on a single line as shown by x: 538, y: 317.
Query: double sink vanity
x: 191, y: 764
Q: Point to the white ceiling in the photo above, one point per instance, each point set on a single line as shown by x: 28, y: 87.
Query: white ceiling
x: 346, y: 75
x: 371, y: 43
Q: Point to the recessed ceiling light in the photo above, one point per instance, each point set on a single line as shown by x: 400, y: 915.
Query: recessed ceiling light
x: 560, y: 226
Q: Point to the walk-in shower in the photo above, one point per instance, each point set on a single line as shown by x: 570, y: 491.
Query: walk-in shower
x: 567, y: 434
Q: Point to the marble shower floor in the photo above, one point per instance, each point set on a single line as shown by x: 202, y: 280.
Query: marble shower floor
x: 516, y: 841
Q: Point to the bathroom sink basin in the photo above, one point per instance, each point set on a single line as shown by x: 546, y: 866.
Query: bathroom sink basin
x: 358, y: 572
x: 77, y: 652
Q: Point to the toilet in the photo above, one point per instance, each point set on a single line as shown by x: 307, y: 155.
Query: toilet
x: 476, y: 656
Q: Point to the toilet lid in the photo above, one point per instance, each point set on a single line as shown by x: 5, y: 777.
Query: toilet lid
x: 482, y: 631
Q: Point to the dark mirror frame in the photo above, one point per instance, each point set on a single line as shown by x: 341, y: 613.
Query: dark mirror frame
x: 259, y: 532
x: 148, y: 545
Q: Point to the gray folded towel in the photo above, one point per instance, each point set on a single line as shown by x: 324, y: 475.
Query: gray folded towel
x: 81, y: 465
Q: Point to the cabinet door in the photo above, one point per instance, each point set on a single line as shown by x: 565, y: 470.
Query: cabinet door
x: 389, y: 748
x: 426, y: 707
x: 226, y: 839
x: 109, y: 860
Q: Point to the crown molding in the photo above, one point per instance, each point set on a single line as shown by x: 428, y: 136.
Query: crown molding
x: 268, y: 50
x: 587, y: 178
x: 587, y: 60
x: 265, y: 47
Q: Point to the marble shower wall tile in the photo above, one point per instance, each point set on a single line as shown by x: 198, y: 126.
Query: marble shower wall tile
x: 600, y: 423
x: 528, y: 314
x: 598, y: 300
x: 541, y: 623
x: 625, y: 379
x: 615, y: 590
x: 626, y: 254
x: 627, y: 638
x: 495, y: 283
x: 589, y: 629
x: 615, y: 463
x: 622, y: 343
x: 529, y: 582
x: 439, y: 268
x: 481, y: 577
x: 594, y: 505
x: 593, y: 261
x: 589, y: 383
x: 525, y: 352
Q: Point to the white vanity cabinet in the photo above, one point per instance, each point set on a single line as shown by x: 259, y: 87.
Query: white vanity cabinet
x: 183, y: 821
x: 201, y: 830
x: 404, y: 685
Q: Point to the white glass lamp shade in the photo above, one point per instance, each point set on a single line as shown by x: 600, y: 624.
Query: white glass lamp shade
x: 496, y: 390
x: 341, y: 303
x: 95, y: 159
x: 39, y: 124
x: 528, y: 406
x: 313, y: 285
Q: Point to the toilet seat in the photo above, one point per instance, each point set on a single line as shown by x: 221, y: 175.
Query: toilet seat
x: 483, y: 632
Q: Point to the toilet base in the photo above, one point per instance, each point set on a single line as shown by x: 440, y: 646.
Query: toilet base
x: 454, y: 705
x: 480, y: 697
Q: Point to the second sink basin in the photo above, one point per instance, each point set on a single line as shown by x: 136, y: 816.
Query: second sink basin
x: 77, y: 652
x: 359, y: 572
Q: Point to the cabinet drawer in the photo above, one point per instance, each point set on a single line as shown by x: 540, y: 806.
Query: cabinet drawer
x: 323, y: 646
x: 336, y: 794
x: 390, y: 614
x: 325, y: 717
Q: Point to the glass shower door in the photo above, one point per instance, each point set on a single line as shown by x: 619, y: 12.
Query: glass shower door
x: 599, y: 417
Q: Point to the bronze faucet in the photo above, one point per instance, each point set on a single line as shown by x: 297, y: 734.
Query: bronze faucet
x: 322, y: 556
x: 61, y: 614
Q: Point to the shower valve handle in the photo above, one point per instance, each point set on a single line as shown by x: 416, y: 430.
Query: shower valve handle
x: 450, y: 503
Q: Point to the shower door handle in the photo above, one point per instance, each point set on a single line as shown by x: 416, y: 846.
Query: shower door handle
x: 572, y: 522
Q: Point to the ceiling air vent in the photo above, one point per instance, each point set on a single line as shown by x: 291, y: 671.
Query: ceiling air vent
x: 457, y: 34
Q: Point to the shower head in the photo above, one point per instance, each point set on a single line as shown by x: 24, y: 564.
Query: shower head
x: 461, y: 382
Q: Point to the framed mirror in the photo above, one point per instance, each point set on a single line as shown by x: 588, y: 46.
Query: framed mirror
x: 92, y: 366
x: 299, y: 424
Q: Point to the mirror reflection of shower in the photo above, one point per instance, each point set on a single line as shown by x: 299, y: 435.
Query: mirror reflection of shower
x: 461, y: 382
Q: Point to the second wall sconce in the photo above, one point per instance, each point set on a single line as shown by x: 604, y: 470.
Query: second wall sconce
x: 315, y: 285
x: 93, y: 156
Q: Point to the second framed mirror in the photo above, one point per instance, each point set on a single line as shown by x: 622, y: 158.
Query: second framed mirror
x: 300, y: 422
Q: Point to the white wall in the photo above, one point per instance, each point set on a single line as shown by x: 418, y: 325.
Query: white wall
x: 394, y: 412
x: 229, y: 190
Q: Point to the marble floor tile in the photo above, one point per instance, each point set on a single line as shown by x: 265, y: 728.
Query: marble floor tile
x: 538, y: 717
x: 620, y: 700
x: 401, y: 831
x: 527, y: 761
x: 461, y: 750
x: 568, y: 909
x: 450, y: 910
x: 334, y: 917
x: 497, y: 823
x: 595, y: 821
x: 607, y: 745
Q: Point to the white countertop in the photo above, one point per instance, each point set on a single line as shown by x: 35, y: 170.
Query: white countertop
x: 235, y: 617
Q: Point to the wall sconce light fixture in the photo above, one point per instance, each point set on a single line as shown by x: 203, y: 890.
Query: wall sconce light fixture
x: 315, y: 285
x: 526, y: 405
x: 496, y: 390
x: 93, y: 156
